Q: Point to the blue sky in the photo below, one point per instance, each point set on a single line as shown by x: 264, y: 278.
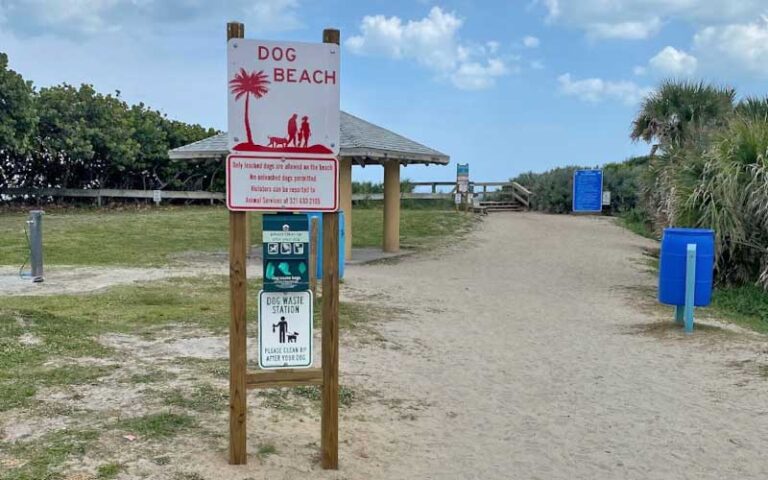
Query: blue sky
x: 508, y: 86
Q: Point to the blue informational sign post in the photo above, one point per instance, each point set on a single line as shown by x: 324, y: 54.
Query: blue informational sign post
x: 588, y: 191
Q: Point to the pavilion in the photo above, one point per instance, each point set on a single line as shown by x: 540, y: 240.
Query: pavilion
x: 362, y: 143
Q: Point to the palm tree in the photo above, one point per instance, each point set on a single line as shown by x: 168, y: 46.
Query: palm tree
x: 680, y: 113
x: 244, y: 83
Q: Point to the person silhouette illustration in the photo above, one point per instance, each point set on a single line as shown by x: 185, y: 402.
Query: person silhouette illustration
x: 283, y: 326
x: 305, y: 132
x: 292, y: 129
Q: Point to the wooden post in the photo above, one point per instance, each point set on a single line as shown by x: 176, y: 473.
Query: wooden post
x: 313, y: 241
x: 238, y: 289
x: 248, y: 234
x: 391, y: 206
x: 345, y: 197
x: 329, y: 422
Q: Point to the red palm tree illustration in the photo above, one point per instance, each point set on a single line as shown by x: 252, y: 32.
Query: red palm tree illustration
x: 244, y: 83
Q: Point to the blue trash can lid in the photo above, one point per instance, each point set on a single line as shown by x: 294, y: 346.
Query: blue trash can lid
x: 689, y: 231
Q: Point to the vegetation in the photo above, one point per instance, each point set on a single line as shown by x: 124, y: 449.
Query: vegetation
x: 406, y: 186
x: 45, y: 454
x: 74, y: 137
x: 157, y: 236
x: 746, y: 305
x: 554, y: 188
x: 158, y: 425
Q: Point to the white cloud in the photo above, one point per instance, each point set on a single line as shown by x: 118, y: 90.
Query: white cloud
x: 476, y: 76
x: 639, y: 70
x: 531, y: 42
x: 432, y: 42
x: 595, y: 90
x: 672, y: 61
x: 625, y: 30
x: 639, y: 19
x: 80, y: 18
x: 744, y: 46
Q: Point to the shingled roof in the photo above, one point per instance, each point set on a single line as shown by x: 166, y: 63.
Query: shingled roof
x: 363, y: 141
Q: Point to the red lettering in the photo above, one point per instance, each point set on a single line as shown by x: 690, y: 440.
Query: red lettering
x: 331, y: 76
x: 290, y: 54
x: 305, y: 77
x: 263, y: 52
x: 291, y: 75
x: 278, y: 75
x: 317, y: 76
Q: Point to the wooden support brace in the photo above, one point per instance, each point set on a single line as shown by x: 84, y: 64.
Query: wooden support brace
x: 284, y: 378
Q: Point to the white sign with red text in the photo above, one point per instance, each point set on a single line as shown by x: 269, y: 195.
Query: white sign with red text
x: 290, y: 183
x: 283, y: 97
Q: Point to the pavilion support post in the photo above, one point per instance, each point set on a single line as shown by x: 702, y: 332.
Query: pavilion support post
x: 345, y: 197
x: 391, y: 206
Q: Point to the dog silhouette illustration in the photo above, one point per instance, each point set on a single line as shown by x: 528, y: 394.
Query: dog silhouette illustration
x: 277, y: 142
x: 292, y: 337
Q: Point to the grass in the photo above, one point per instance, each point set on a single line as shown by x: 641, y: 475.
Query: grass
x: 190, y: 301
x: 66, y: 327
x: 204, y: 398
x: 153, y: 236
x: 109, y: 470
x: 746, y: 306
x: 265, y: 450
x: 22, y: 366
x: 158, y: 425
x: 288, y: 399
x: 44, y: 455
x: 637, y: 222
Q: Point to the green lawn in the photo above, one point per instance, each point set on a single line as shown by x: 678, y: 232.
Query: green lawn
x: 142, y: 237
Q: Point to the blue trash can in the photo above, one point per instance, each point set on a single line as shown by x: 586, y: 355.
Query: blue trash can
x: 342, y: 238
x: 672, y: 265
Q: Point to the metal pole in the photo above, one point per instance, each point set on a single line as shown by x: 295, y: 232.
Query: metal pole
x: 690, y: 286
x: 36, y: 244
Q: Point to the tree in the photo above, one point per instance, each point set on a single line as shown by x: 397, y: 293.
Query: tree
x: 682, y: 113
x: 244, y: 83
x: 88, y: 134
x: 17, y: 111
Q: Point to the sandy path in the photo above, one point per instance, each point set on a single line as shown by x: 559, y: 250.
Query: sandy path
x: 522, y: 345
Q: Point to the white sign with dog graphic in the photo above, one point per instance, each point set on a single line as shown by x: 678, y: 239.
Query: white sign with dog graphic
x: 283, y: 97
x: 285, y: 329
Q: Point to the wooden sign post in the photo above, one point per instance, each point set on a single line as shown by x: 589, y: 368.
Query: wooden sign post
x: 328, y: 375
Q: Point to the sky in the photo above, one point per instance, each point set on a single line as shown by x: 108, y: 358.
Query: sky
x: 506, y: 86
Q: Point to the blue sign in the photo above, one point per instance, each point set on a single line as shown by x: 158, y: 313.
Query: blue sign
x: 462, y: 170
x: 588, y: 191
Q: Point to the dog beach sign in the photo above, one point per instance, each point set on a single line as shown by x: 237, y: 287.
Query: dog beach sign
x: 283, y: 120
x: 285, y: 329
x: 283, y: 97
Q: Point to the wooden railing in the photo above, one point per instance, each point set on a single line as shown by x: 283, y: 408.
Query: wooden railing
x: 518, y: 191
x: 99, y: 193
